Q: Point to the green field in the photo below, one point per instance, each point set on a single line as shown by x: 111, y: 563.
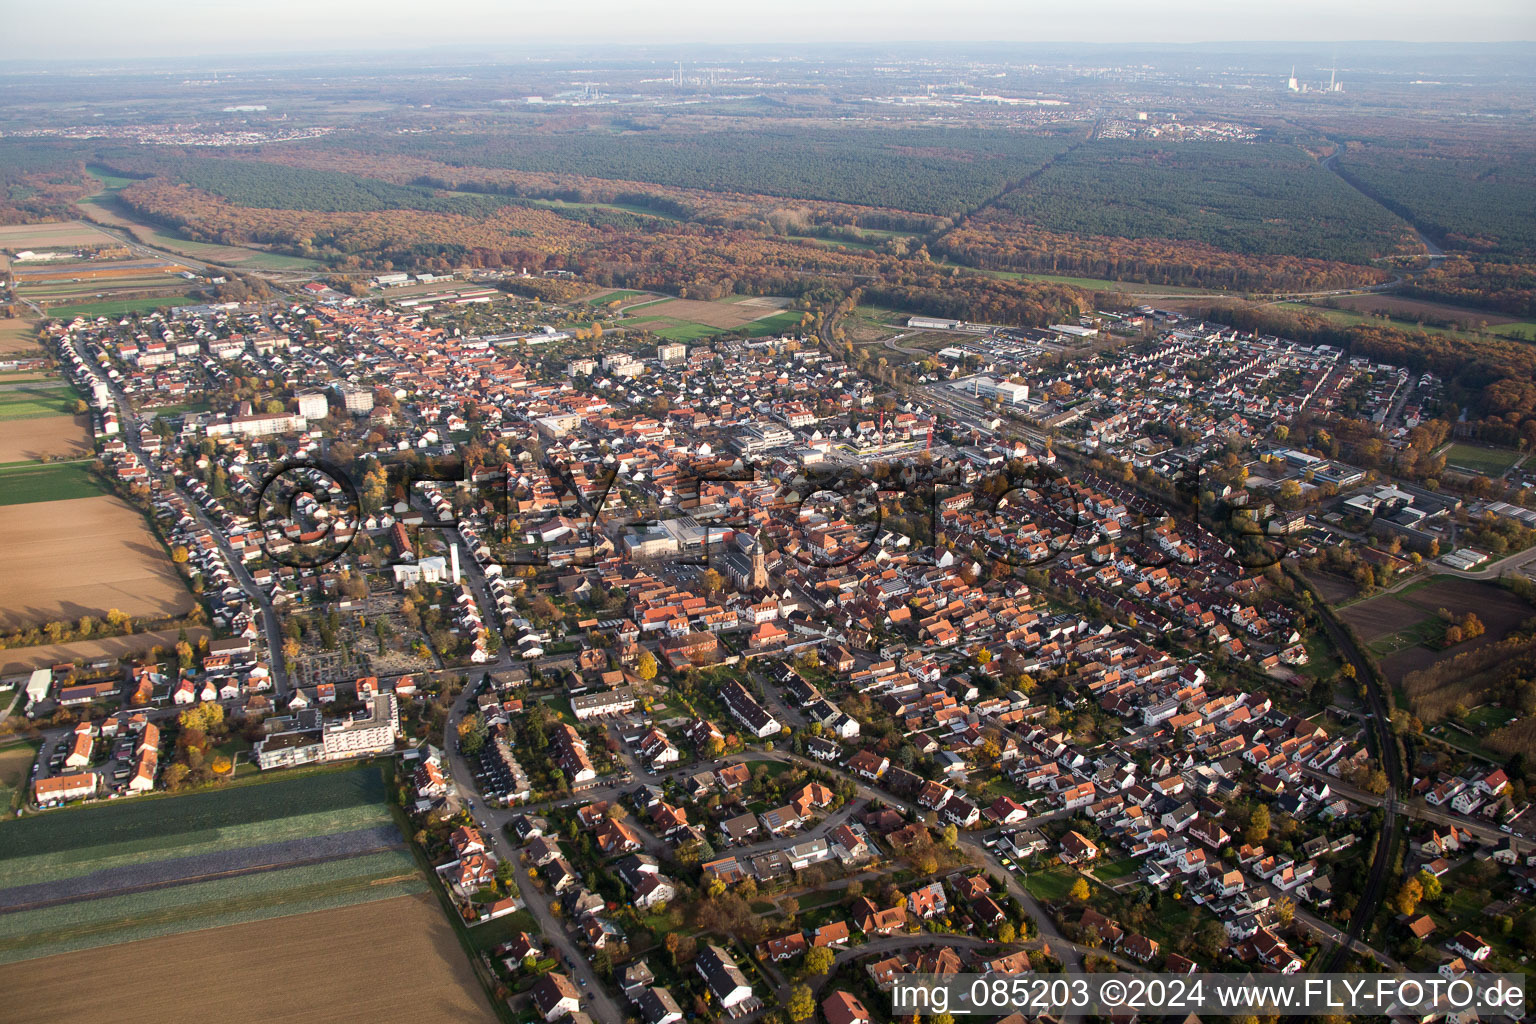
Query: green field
x: 27, y: 935
x: 118, y: 307
x: 1487, y: 461
x: 683, y: 330
x: 1114, y: 870
x: 1051, y: 884
x: 24, y: 483
x: 155, y: 901
x: 778, y: 323
x: 1424, y: 633
x: 25, y: 402
x: 618, y: 296
x: 63, y: 844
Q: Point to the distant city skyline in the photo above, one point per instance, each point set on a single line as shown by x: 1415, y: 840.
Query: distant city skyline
x: 96, y: 29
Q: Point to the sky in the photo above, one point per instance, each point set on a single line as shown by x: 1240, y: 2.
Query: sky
x: 97, y: 29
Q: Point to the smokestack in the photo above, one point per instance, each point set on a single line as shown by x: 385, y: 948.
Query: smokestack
x: 453, y: 561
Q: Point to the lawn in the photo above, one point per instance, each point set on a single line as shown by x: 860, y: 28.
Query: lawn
x: 1113, y: 871
x: 1491, y: 462
x: 177, y: 410
x: 1051, y: 884
x: 119, y: 307
x: 1487, y: 718
x: 21, y: 484
x: 24, y: 402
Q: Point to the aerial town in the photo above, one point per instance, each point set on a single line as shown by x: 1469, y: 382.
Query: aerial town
x: 662, y: 635
x: 610, y: 539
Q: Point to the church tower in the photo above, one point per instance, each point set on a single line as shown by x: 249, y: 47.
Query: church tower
x: 759, y: 578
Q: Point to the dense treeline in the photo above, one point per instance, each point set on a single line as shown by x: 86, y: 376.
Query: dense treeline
x: 522, y: 233
x: 1504, y: 285
x: 941, y: 171
x: 40, y: 181
x: 1493, y: 376
x: 690, y: 260
x: 279, y: 187
x: 1476, y: 201
x: 1000, y: 240
x: 1253, y: 198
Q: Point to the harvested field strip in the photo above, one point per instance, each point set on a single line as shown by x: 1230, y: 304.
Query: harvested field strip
x: 111, y: 920
x: 55, y: 233
x: 388, y: 960
x: 25, y: 659
x: 200, y: 868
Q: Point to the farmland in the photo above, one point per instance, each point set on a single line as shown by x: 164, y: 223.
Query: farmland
x: 21, y: 401
x: 83, y: 557
x: 24, y: 659
x: 17, y: 335
x: 26, y: 483
x: 62, y: 234
x: 129, y: 832
x: 158, y: 866
x: 44, y: 436
x: 1402, y: 629
x: 396, y: 953
x: 107, y: 920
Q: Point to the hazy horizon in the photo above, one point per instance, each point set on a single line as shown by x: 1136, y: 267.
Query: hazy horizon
x: 159, y: 29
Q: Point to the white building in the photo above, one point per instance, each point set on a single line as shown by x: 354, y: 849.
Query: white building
x: 314, y: 405
x: 370, y: 731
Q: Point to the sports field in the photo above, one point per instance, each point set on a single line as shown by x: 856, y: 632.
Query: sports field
x: 118, y: 307
x: 389, y: 960
x: 65, y: 559
x: 1491, y: 462
x: 691, y: 319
